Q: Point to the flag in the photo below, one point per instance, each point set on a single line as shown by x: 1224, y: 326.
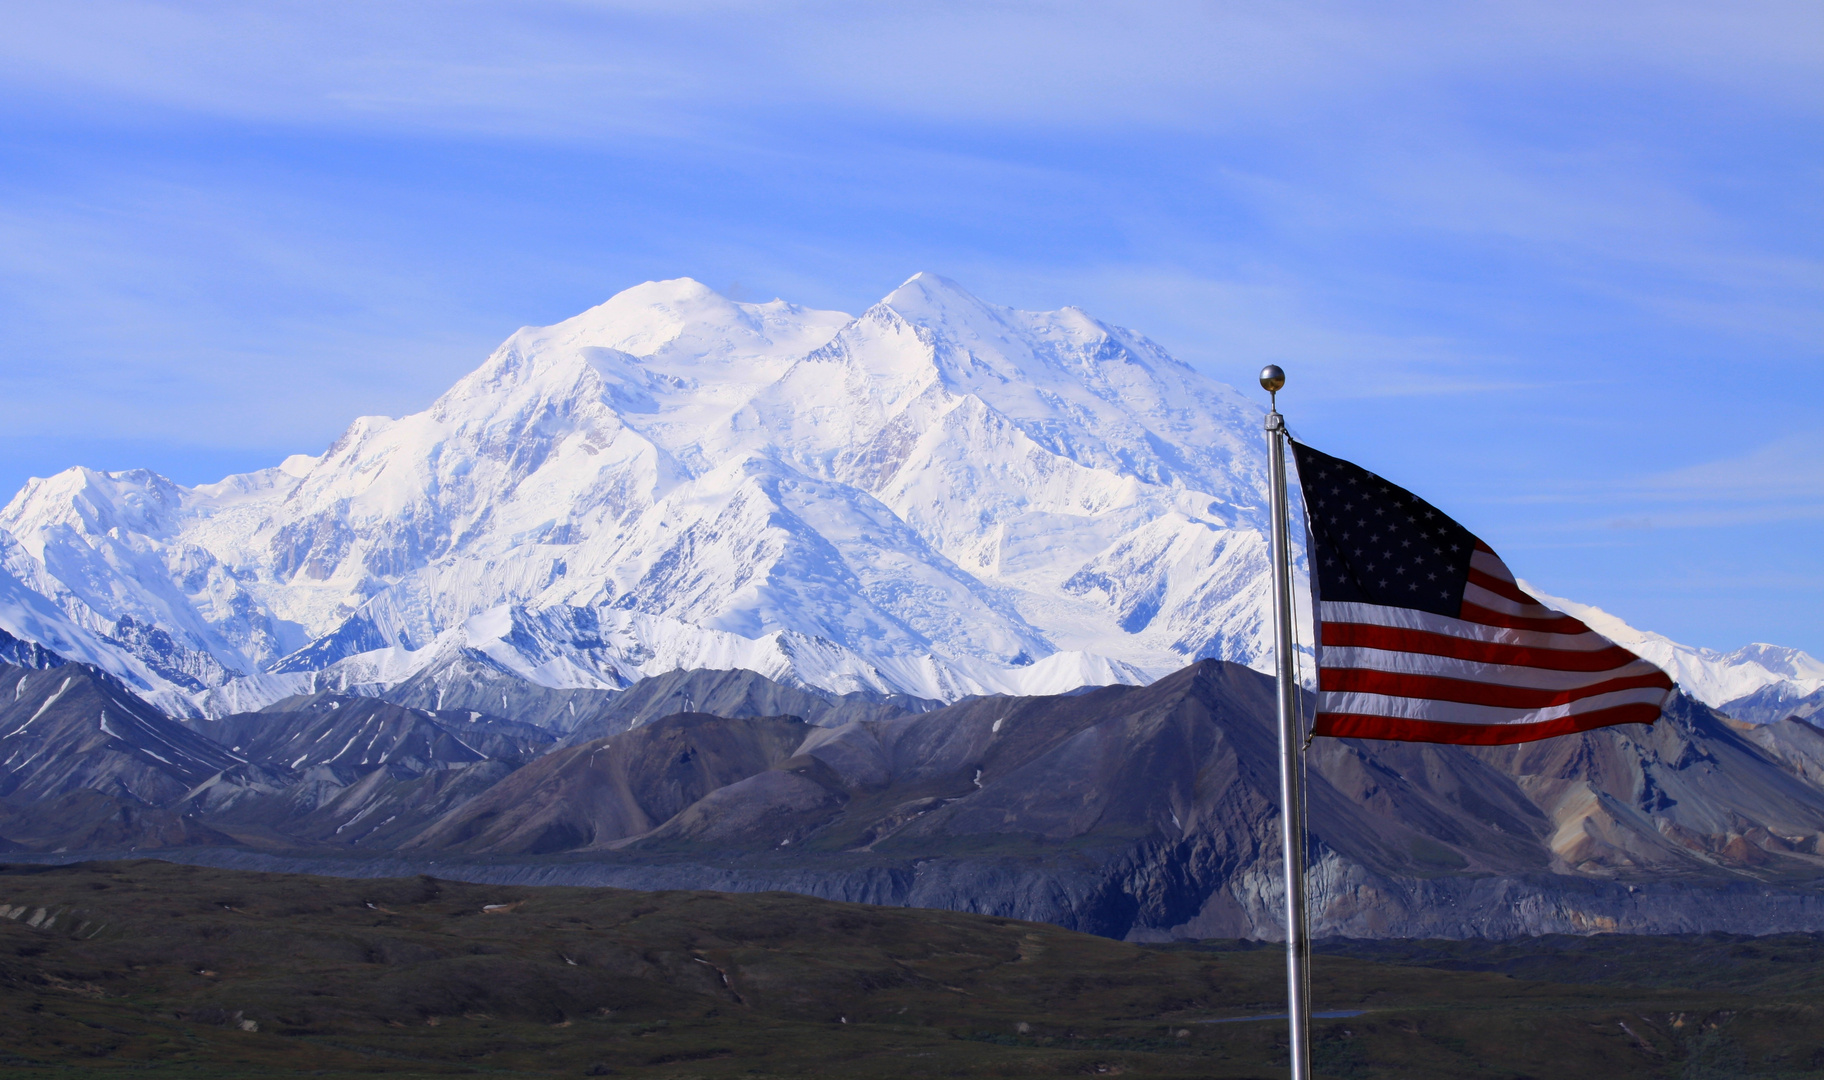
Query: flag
x: 1424, y: 636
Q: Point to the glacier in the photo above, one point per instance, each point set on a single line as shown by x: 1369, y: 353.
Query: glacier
x: 940, y: 497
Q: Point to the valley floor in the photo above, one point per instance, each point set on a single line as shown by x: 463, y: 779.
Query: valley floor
x: 150, y: 969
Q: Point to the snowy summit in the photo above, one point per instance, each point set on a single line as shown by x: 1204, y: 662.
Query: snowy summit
x: 940, y: 497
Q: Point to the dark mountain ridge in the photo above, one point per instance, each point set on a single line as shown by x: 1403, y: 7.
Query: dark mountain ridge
x: 737, y: 693
x: 85, y: 762
x: 26, y: 654
x: 358, y: 733
x: 1147, y: 812
x: 588, y: 796
x: 73, y: 727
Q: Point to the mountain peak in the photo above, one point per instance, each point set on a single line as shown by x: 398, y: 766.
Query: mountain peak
x: 938, y: 302
x: 942, y: 497
x: 953, y: 496
x: 643, y: 319
x: 928, y: 285
x: 137, y: 500
x: 1787, y: 662
x: 687, y: 321
x: 941, y: 305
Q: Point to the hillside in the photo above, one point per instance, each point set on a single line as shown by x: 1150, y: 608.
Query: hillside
x: 148, y: 969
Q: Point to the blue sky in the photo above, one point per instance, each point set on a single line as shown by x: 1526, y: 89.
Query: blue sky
x: 1557, y: 266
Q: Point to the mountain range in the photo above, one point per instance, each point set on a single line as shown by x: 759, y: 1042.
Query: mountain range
x: 1141, y: 812
x: 938, y: 498
x: 946, y: 604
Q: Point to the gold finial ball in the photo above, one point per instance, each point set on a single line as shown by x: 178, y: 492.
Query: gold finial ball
x: 1272, y: 378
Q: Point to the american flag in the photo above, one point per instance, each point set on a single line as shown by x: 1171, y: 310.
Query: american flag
x: 1424, y: 636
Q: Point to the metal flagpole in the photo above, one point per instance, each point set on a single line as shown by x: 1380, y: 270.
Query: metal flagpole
x: 1291, y: 740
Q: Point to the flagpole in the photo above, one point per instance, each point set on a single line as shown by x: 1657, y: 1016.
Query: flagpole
x: 1291, y: 798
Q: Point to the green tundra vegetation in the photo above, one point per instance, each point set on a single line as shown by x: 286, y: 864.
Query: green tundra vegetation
x: 149, y: 969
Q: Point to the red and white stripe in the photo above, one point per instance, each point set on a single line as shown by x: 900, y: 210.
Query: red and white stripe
x: 1508, y: 669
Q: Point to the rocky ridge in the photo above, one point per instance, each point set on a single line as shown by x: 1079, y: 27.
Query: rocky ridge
x: 1146, y: 812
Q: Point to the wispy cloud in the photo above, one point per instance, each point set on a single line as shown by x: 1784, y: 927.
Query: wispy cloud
x: 1787, y: 469
x: 216, y: 308
x: 564, y: 70
x: 1778, y: 482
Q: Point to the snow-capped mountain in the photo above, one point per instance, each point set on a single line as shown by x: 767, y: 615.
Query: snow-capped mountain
x: 940, y: 497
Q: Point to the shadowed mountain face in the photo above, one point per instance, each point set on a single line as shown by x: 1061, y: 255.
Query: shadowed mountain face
x: 591, y: 795
x: 26, y: 654
x: 357, y: 733
x: 1155, y: 809
x: 367, y: 772
x: 1147, y: 812
x: 71, y: 728
x: 735, y: 694
x: 1187, y: 759
x: 85, y: 763
x: 481, y: 685
x: 1795, y: 744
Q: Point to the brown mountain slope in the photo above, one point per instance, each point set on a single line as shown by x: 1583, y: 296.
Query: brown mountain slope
x: 1156, y: 807
x: 1193, y: 755
x: 591, y: 795
x: 1691, y: 794
x: 735, y: 694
